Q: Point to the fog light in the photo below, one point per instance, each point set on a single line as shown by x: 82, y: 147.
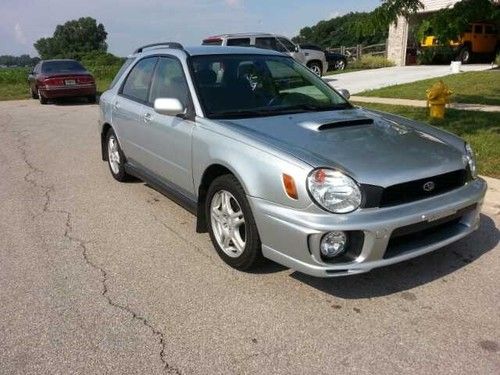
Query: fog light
x: 333, y: 244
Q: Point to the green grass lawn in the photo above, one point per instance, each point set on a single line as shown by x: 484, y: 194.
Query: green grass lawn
x: 481, y: 129
x: 470, y: 87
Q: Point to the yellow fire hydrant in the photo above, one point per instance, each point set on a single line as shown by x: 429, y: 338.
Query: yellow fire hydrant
x: 437, y: 98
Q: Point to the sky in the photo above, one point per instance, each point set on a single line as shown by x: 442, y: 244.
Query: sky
x: 131, y: 23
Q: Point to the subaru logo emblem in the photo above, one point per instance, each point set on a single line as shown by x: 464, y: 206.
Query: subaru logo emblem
x: 429, y: 186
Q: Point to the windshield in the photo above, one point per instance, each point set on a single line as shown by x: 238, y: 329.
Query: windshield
x: 232, y: 86
x: 61, y: 66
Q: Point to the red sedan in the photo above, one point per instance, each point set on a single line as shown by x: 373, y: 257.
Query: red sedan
x: 52, y: 79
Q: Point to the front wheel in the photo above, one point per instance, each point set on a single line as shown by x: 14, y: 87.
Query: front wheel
x: 116, y: 159
x: 231, y: 226
x: 465, y: 55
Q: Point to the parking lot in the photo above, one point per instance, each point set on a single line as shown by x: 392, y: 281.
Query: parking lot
x: 98, y: 276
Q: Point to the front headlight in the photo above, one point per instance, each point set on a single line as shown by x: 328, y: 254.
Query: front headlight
x: 471, y: 160
x: 333, y: 190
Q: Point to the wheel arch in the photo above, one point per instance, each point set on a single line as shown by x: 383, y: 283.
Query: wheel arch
x: 213, y: 171
x: 104, y: 130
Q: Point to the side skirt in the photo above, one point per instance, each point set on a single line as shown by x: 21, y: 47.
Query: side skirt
x: 169, y: 190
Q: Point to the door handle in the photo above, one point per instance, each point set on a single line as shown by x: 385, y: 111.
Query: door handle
x: 116, y: 105
x: 147, y: 118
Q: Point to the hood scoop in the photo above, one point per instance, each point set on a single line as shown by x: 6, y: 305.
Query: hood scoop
x: 345, y: 123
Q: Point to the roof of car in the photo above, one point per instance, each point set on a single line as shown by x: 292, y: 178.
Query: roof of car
x: 231, y: 35
x: 221, y: 50
x: 211, y: 50
x: 55, y: 60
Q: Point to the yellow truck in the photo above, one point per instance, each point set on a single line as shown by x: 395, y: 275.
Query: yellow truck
x: 479, y: 39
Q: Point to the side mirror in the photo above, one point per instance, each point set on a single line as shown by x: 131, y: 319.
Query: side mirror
x: 297, y: 48
x: 169, y: 107
x: 345, y: 93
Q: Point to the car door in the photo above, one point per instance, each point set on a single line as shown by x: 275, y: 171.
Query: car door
x: 129, y: 108
x: 478, y: 41
x: 169, y: 137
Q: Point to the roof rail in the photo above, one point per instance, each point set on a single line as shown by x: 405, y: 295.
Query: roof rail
x: 173, y: 45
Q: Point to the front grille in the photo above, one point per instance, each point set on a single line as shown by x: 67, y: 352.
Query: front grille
x: 414, y: 190
x: 414, y: 236
x: 376, y: 196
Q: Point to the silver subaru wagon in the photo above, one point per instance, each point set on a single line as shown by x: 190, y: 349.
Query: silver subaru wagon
x: 276, y: 164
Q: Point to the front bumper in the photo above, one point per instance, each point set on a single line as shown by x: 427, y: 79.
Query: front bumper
x: 52, y: 92
x: 290, y: 236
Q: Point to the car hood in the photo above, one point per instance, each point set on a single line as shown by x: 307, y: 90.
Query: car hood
x: 371, y: 147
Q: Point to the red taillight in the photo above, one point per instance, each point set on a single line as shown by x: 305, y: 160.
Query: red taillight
x: 53, y: 81
x: 86, y: 79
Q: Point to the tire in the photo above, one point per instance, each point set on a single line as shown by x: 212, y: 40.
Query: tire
x: 92, y: 99
x: 316, y: 68
x: 340, y: 64
x: 244, y: 252
x: 115, y: 157
x: 465, y: 55
x: 34, y: 94
x: 41, y: 98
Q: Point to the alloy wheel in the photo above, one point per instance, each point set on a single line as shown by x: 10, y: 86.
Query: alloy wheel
x: 113, y: 155
x: 228, y: 223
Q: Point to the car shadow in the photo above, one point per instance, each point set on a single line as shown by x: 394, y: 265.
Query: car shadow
x: 329, y: 79
x: 70, y: 101
x: 412, y: 273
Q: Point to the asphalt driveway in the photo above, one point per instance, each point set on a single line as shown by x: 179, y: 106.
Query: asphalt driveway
x: 102, y: 277
x: 371, y: 79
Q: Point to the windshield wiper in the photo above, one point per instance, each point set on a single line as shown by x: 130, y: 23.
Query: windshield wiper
x: 243, y: 113
x: 311, y: 107
x: 278, y: 110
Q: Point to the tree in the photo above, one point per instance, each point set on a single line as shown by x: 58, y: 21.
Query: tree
x: 73, y: 39
x: 343, y: 30
x: 358, y: 28
x: 23, y: 60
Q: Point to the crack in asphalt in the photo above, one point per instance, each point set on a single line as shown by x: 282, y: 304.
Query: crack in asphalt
x: 82, y: 244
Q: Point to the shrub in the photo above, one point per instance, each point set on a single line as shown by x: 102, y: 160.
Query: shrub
x: 371, y: 62
x: 14, y: 75
x: 435, y: 55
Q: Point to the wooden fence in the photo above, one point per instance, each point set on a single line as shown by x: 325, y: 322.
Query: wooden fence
x: 355, y: 52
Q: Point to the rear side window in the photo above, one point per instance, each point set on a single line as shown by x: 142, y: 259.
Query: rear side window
x: 124, y: 67
x: 61, y: 66
x: 245, y: 42
x: 284, y: 45
x: 266, y: 43
x: 490, y: 29
x: 136, y: 86
x: 212, y: 42
x: 478, y: 29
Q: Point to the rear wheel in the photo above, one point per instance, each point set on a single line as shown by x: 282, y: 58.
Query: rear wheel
x: 315, y: 67
x: 43, y: 99
x: 340, y: 64
x: 231, y: 226
x: 34, y: 94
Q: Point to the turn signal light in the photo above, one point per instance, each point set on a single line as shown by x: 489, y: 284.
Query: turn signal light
x: 290, y: 188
